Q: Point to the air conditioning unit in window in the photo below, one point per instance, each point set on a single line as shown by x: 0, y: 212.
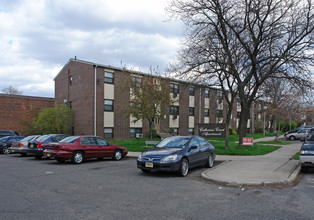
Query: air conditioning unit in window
x: 175, y: 116
x: 139, y: 135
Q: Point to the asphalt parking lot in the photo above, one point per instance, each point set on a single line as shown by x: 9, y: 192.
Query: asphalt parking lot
x: 46, y: 189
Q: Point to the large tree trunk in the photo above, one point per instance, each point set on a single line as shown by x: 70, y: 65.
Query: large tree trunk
x: 227, y: 126
x: 242, y: 130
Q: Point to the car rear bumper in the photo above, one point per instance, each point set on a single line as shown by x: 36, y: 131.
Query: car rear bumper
x: 35, y: 151
x: 58, y: 154
x: 158, y: 166
x: 307, y: 160
x: 20, y: 150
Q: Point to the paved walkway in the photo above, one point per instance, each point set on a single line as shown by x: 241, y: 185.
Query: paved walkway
x: 270, y: 169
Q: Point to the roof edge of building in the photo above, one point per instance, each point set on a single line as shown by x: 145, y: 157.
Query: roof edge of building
x: 130, y: 71
x: 26, y: 97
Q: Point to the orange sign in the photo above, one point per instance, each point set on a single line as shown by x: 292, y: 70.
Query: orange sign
x: 247, y: 141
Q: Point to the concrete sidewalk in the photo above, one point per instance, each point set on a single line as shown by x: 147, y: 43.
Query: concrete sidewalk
x: 270, y: 169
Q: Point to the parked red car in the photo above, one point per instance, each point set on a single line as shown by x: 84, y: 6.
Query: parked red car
x: 78, y: 148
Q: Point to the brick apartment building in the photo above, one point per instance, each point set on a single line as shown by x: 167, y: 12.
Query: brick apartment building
x: 92, y: 91
x: 16, y: 111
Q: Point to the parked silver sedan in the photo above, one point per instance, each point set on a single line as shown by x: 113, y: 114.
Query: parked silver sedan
x: 307, y: 154
x: 301, y: 134
x: 21, y: 146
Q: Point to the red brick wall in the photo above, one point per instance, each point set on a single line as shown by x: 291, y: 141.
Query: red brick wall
x: 80, y: 94
x: 17, y: 111
x: 121, y: 99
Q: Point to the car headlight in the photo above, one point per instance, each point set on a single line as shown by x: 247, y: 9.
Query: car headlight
x: 170, y: 158
x: 139, y: 157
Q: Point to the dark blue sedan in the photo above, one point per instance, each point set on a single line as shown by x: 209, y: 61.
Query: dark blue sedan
x: 178, y: 154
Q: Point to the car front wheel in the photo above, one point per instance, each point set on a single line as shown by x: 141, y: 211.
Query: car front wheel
x: 184, y: 167
x: 210, y: 161
x: 77, y: 157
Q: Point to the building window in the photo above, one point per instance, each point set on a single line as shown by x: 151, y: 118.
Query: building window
x: 206, y: 112
x: 174, y: 110
x: 191, y: 111
x: 175, y: 131
x: 70, y: 80
x: 206, y: 93
x: 137, y: 80
x: 70, y: 104
x: 134, y: 131
x: 219, y: 97
x: 191, y: 91
x: 109, y: 77
x: 108, y: 133
x: 174, y: 88
x: 132, y: 104
x: 191, y: 131
x: 219, y: 113
x: 108, y: 105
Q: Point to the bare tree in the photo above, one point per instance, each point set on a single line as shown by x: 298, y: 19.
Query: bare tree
x: 246, y: 42
x: 149, y: 98
x: 11, y: 90
x: 285, y: 101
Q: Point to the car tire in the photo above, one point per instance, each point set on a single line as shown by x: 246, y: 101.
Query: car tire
x: 184, y: 167
x: 6, y: 150
x: 38, y: 157
x: 117, y: 155
x: 145, y: 171
x: 23, y: 154
x: 210, y: 161
x: 304, y: 169
x: 292, y: 138
x: 77, y: 157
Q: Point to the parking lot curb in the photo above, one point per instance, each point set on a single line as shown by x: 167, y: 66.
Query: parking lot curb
x: 290, y: 180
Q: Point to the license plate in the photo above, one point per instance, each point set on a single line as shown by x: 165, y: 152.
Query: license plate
x: 149, y: 165
x: 48, y: 155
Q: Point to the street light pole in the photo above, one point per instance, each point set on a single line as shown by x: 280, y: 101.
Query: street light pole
x: 264, y: 120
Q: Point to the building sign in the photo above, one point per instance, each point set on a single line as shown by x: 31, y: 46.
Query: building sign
x: 247, y: 141
x: 212, y: 130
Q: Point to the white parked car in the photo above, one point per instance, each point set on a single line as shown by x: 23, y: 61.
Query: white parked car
x: 301, y: 134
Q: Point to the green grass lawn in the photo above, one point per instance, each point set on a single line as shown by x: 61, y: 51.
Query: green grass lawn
x: 296, y: 156
x: 235, y: 149
x: 136, y: 145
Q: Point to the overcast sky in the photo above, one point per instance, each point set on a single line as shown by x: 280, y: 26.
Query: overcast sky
x: 38, y: 37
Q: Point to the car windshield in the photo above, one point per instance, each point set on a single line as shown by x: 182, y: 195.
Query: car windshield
x: 70, y: 139
x: 173, y: 142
